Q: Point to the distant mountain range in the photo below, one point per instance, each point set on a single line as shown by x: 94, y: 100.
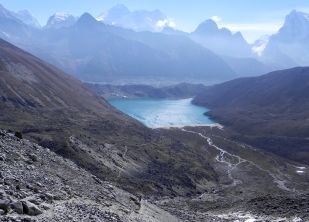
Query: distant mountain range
x: 96, y: 52
x: 105, y: 49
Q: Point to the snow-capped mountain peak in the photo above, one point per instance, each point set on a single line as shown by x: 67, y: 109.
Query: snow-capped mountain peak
x: 296, y: 26
x: 26, y: 17
x: 139, y: 20
x: 4, y: 13
x: 101, y: 17
x: 61, y: 19
x: 61, y: 16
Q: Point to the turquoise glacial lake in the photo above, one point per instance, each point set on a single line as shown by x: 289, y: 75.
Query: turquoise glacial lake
x: 157, y: 113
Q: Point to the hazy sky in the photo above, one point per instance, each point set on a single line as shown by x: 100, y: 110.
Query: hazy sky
x: 252, y: 17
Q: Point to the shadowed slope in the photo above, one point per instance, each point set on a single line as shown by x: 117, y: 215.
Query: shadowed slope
x: 272, y: 109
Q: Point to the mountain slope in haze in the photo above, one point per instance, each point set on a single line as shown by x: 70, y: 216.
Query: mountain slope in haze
x: 247, y: 66
x: 273, y: 108
x: 28, y: 82
x: 232, y: 48
x: 60, y: 20
x: 221, y: 41
x: 96, y: 52
x: 12, y: 28
x: 26, y: 17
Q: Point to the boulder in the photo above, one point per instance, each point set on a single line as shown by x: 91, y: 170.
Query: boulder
x: 19, y: 135
x: 17, y: 206
x: 5, y: 205
x: 33, y: 157
x: 31, y: 209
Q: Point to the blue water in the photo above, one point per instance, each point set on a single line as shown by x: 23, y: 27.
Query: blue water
x: 163, y: 112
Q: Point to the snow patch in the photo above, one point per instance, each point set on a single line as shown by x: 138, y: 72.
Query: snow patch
x: 301, y: 168
x: 166, y: 23
x: 61, y: 16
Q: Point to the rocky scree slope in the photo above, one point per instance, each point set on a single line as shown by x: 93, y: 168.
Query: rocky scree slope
x: 38, y: 185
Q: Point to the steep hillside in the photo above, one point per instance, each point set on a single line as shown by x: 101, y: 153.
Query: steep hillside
x: 38, y: 185
x: 28, y: 82
x: 279, y: 91
x: 273, y: 107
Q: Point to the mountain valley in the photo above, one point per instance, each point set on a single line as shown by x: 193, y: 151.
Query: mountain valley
x: 67, y: 154
x: 175, y: 165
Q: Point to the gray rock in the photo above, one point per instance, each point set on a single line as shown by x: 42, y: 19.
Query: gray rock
x: 17, y: 206
x: 2, y: 157
x: 33, y: 157
x: 2, y: 192
x: 49, y: 196
x: 5, y: 205
x: 45, y: 206
x: 31, y: 209
x: 35, y: 201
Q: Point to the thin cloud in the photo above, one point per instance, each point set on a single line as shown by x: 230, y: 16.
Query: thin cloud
x: 216, y: 18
